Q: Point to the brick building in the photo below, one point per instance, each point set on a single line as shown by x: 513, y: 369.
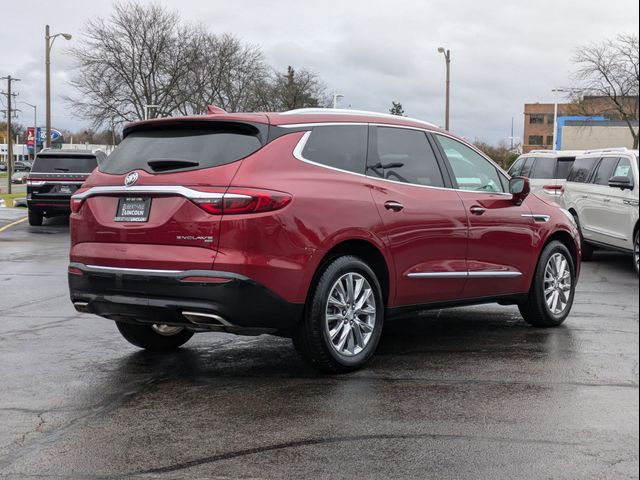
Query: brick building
x: 538, y: 118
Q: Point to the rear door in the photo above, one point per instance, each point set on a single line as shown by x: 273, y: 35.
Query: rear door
x: 501, y: 233
x: 619, y: 207
x: 595, y: 205
x: 161, y: 187
x: 425, y: 224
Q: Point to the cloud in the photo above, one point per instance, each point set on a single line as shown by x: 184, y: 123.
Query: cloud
x: 504, y: 54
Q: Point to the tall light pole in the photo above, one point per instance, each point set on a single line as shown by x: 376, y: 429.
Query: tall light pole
x: 447, y: 59
x: 35, y: 128
x: 49, y: 39
x: 336, y: 99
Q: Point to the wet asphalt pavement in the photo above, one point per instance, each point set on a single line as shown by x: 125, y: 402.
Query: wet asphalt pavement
x: 453, y: 394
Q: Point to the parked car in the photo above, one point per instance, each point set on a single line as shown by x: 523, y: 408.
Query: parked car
x: 313, y: 224
x: 547, y: 170
x: 3, y: 167
x: 55, y: 176
x: 602, y: 194
x: 22, y: 166
x: 19, y: 177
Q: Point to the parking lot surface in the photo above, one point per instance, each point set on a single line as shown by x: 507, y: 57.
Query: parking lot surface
x: 460, y: 393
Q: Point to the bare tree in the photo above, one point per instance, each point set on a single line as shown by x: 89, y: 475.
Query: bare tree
x: 610, y: 70
x: 294, y: 89
x: 132, y: 59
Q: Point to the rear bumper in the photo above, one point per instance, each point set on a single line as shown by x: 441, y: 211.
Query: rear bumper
x: 57, y: 206
x: 199, y: 299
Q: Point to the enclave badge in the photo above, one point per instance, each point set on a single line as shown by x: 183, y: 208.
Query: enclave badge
x: 130, y: 179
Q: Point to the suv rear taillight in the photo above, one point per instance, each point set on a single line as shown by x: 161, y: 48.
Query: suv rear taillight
x: 553, y: 189
x: 242, y: 201
x: 76, y: 203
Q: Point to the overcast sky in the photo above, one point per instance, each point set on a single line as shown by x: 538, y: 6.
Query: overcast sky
x: 504, y: 54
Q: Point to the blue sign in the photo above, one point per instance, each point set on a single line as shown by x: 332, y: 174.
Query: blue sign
x: 42, y: 133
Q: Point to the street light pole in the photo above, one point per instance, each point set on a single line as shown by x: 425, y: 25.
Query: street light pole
x: 49, y: 39
x: 447, y: 58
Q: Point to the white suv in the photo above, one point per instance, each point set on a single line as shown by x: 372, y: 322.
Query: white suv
x: 601, y: 193
x: 546, y: 170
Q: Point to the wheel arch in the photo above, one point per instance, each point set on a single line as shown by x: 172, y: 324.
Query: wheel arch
x: 367, y: 252
x: 568, y: 241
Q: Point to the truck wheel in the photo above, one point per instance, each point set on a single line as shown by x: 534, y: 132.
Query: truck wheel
x: 35, y: 218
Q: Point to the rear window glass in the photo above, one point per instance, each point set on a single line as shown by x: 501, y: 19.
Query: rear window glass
x: 544, y: 168
x: 181, y: 148
x: 564, y: 167
x: 62, y: 164
x: 581, y: 169
x: 340, y: 146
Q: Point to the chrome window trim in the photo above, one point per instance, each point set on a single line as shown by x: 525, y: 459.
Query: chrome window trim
x: 297, y: 153
x: 150, y: 189
x: 53, y: 182
x: 467, y: 274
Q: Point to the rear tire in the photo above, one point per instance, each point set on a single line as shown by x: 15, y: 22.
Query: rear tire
x: 553, y: 288
x: 35, y: 218
x: 587, y: 250
x: 150, y: 337
x: 342, y: 324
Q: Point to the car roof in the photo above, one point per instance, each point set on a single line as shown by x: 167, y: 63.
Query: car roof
x: 552, y: 153
x: 302, y: 116
x: 599, y: 152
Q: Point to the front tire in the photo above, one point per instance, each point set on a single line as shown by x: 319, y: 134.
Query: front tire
x: 35, y: 218
x: 343, y: 317
x: 157, y: 338
x: 553, y: 288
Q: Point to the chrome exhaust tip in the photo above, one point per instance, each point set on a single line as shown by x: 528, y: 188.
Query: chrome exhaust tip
x: 206, y: 319
x: 82, y: 307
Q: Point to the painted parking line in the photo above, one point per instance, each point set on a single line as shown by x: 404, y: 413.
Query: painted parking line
x: 7, y: 227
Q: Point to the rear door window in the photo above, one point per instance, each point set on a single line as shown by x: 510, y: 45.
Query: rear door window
x: 544, y: 168
x: 405, y: 156
x: 338, y: 146
x: 564, y: 167
x: 165, y: 149
x: 605, y: 170
x: 57, y: 163
x: 581, y: 170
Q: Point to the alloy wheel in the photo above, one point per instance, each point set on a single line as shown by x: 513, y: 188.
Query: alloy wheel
x: 350, y: 314
x: 557, y: 283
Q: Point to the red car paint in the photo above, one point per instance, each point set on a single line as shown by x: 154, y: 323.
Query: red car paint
x: 436, y: 231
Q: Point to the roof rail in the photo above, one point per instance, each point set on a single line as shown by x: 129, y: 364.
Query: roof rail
x: 346, y: 111
x: 544, y: 151
x: 602, y: 150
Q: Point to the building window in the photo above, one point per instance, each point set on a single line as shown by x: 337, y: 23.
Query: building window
x: 550, y: 119
x: 536, y: 119
x: 549, y: 139
x: 535, y: 139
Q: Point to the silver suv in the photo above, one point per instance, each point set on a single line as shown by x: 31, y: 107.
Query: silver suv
x: 547, y: 170
x: 601, y: 193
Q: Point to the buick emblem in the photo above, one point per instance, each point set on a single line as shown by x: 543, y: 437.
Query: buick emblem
x: 130, y: 179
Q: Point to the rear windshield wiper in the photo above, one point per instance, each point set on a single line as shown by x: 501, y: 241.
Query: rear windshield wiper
x: 160, y: 165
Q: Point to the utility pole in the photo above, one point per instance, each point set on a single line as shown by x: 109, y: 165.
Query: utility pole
x: 9, y: 79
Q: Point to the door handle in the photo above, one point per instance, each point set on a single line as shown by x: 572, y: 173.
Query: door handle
x: 393, y: 206
x: 606, y: 200
x: 476, y: 210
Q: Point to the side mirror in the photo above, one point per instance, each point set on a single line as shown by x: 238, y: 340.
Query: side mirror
x: 519, y: 187
x: 621, y: 182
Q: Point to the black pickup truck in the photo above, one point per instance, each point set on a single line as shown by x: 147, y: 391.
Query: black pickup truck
x: 54, y: 177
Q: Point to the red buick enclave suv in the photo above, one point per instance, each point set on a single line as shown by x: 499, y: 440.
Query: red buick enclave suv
x: 312, y: 224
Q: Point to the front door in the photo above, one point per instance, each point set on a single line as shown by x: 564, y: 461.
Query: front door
x: 501, y: 233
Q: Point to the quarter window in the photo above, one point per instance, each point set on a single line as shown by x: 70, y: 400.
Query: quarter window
x: 405, y: 156
x: 339, y: 146
x: 603, y: 174
x: 471, y: 170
